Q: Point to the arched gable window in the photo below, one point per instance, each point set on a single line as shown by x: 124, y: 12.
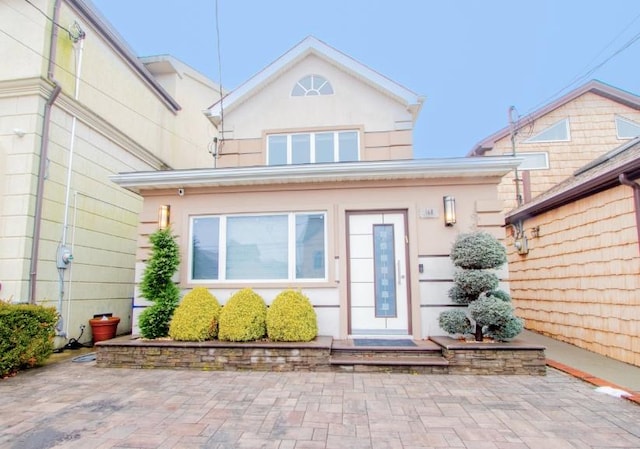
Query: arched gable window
x: 312, y: 85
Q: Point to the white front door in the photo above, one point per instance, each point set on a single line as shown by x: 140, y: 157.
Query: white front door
x: 377, y: 274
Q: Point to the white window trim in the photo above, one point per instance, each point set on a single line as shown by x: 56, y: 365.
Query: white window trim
x: 336, y: 146
x: 532, y: 153
x: 567, y: 127
x: 291, y: 249
x: 629, y: 121
x: 306, y: 91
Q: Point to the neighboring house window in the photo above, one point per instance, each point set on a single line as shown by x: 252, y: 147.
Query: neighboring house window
x: 627, y: 129
x: 271, y: 247
x: 533, y: 161
x: 306, y: 148
x: 558, y: 132
x: 312, y: 85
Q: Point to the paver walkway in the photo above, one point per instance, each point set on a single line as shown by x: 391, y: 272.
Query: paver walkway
x: 77, y: 405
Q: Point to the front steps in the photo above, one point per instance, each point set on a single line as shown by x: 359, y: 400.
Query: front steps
x: 424, y: 358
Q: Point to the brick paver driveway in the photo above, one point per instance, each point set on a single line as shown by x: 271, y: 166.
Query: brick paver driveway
x: 77, y: 405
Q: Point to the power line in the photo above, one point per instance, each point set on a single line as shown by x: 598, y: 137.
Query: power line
x: 49, y: 18
x: 579, y: 78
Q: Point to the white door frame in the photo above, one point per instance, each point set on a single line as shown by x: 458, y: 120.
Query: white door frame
x: 367, y: 269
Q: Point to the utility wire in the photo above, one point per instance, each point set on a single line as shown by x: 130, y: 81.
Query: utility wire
x: 99, y: 90
x: 49, y: 18
x: 219, y: 80
x: 579, y: 78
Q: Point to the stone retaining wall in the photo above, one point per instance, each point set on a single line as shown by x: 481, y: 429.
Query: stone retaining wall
x: 464, y: 358
x: 214, y: 355
x: 493, y: 357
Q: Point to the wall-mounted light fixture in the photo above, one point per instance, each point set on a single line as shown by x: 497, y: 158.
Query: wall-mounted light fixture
x: 164, y: 216
x: 449, y: 210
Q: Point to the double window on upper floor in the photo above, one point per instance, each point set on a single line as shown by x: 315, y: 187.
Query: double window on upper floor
x: 313, y: 147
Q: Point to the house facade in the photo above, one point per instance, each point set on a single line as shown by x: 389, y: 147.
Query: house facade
x: 578, y: 279
x: 76, y: 106
x: 315, y: 188
x: 561, y: 137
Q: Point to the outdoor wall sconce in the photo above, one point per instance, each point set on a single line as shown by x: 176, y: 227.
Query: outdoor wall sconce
x: 449, y: 210
x: 522, y: 245
x: 164, y: 215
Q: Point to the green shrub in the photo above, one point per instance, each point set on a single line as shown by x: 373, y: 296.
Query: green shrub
x: 196, y: 317
x: 475, y: 255
x: 157, y: 285
x: 243, y: 317
x: 489, y: 310
x: 469, y: 284
x: 478, y: 251
x: 26, y: 335
x: 291, y: 318
x: 506, y: 330
x: 455, y: 322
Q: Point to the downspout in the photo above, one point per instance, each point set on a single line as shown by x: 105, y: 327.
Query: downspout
x: 636, y: 199
x: 44, y: 147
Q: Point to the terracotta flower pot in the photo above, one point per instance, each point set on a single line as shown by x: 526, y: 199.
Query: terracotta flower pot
x: 104, y: 329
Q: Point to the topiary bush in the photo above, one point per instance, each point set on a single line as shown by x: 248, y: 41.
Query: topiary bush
x: 478, y: 251
x: 469, y: 284
x: 455, y: 322
x: 26, y: 335
x: 490, y: 311
x: 196, y: 317
x: 291, y: 318
x: 157, y: 285
x: 243, y: 317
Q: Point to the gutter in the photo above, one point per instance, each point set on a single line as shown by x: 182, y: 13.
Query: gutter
x: 44, y: 151
x: 624, y: 180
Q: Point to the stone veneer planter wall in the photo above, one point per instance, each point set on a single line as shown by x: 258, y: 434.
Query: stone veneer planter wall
x: 464, y: 358
x: 470, y: 357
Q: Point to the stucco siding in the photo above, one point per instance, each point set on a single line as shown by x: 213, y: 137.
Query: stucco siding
x: 580, y: 280
x: 429, y: 240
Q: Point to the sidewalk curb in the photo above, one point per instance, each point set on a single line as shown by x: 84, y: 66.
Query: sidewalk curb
x: 634, y: 395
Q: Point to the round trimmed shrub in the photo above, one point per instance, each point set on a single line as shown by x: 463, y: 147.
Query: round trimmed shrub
x: 455, y: 322
x: 469, y: 284
x: 243, y: 317
x: 489, y: 310
x: 478, y: 251
x: 500, y: 294
x: 507, y: 330
x: 196, y: 318
x: 291, y: 318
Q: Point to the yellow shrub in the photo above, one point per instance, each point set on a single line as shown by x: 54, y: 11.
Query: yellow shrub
x: 196, y: 318
x: 291, y: 318
x: 243, y: 317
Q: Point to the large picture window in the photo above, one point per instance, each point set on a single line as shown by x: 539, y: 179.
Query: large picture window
x: 274, y: 247
x: 306, y: 148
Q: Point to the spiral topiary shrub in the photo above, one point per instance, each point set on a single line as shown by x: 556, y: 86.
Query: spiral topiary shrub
x: 196, y: 317
x: 157, y: 285
x: 455, y: 322
x: 291, y: 318
x: 243, y: 317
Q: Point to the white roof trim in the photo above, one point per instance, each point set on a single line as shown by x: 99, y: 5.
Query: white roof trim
x: 309, y: 45
x: 313, y: 173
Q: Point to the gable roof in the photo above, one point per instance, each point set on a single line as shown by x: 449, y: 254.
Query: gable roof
x: 598, y: 175
x: 593, y: 86
x: 311, y: 45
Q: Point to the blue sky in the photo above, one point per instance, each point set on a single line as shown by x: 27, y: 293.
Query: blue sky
x: 471, y: 59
